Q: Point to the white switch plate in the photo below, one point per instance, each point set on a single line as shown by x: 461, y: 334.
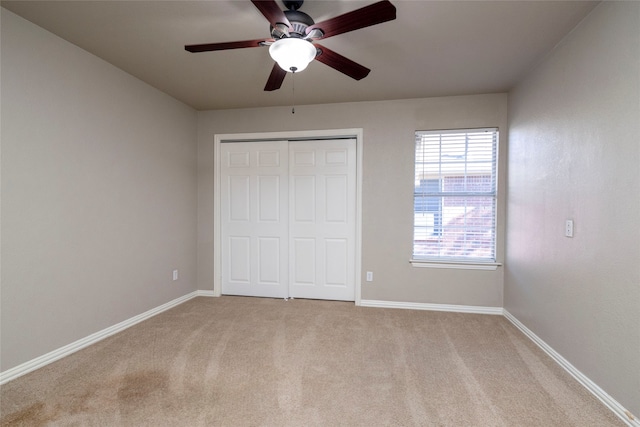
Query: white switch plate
x: 175, y: 274
x: 369, y: 276
x: 568, y: 228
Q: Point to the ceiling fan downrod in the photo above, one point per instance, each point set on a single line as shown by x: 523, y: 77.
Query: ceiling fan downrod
x: 293, y: 4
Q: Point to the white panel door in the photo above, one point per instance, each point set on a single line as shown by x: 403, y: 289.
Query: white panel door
x: 322, y: 218
x: 254, y: 218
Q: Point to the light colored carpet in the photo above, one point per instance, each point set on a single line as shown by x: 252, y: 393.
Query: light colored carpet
x: 235, y: 361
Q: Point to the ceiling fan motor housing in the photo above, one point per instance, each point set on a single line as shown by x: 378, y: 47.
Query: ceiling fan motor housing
x: 299, y: 23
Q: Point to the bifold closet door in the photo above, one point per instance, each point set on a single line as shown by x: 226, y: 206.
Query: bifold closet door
x: 254, y: 218
x: 288, y: 218
x: 322, y: 215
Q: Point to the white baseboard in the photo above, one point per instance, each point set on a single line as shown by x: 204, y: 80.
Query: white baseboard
x: 432, y: 307
x: 206, y: 294
x: 602, y: 395
x: 54, y: 355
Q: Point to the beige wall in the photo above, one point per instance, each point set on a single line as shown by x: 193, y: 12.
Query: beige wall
x: 387, y: 217
x: 574, y: 153
x: 98, y: 194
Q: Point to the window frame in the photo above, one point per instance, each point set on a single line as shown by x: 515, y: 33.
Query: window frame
x: 444, y: 261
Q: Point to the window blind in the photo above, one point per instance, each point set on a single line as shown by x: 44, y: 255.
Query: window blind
x: 455, y: 195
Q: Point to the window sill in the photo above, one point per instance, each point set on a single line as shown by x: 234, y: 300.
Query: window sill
x: 460, y: 265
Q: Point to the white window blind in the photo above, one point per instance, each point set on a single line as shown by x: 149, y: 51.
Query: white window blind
x: 455, y: 195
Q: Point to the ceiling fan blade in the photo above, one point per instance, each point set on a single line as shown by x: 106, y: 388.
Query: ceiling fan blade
x: 271, y: 11
x: 275, y: 78
x: 373, y: 14
x: 341, y: 63
x: 208, y: 47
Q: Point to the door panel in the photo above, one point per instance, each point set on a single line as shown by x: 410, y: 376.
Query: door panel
x: 239, y: 204
x: 254, y: 223
x: 269, y: 259
x: 304, y: 198
x: 269, y: 199
x: 240, y: 259
x: 336, y: 255
x: 304, y: 262
x: 323, y: 212
x: 336, y: 187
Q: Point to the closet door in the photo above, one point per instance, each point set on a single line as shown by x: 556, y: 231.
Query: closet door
x: 254, y: 218
x: 322, y: 218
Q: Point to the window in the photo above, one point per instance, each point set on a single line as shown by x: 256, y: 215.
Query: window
x: 455, y: 195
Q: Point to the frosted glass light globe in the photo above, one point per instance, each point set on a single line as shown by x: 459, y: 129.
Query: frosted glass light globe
x: 292, y: 54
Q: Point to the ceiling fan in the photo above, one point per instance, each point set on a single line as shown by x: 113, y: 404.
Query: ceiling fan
x: 294, y: 34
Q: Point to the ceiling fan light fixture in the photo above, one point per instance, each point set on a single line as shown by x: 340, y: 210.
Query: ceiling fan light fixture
x: 292, y: 54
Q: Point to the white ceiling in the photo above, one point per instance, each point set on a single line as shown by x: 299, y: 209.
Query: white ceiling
x: 433, y: 48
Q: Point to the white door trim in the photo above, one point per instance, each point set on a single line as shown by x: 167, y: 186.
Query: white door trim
x: 292, y: 135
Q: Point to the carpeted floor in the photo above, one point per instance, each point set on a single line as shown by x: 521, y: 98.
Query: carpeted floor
x: 235, y: 361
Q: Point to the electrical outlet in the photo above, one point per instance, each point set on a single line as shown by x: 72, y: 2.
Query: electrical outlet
x: 369, y: 276
x: 568, y: 228
x: 175, y: 274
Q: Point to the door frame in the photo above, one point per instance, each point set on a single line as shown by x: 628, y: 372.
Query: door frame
x: 294, y: 136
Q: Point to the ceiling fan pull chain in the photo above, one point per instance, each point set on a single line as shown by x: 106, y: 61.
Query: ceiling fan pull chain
x: 293, y: 90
